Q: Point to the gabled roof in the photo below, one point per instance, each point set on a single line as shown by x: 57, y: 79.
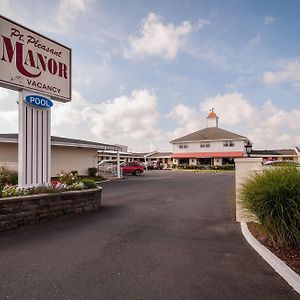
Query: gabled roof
x: 209, y: 134
x: 160, y: 155
x: 61, y: 141
x: 285, y: 152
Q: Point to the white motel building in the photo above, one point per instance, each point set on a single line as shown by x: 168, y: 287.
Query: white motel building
x: 66, y: 154
x: 209, y: 146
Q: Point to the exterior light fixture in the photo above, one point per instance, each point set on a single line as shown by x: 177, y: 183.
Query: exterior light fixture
x: 248, y: 148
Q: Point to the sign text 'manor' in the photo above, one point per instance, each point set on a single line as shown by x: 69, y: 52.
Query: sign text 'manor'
x: 34, y: 62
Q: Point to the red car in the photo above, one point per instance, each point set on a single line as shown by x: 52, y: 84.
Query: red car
x: 134, y: 168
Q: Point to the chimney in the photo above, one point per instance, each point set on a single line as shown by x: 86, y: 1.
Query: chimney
x: 212, y: 119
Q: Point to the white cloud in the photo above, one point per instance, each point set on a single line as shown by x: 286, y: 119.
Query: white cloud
x: 201, y: 23
x: 68, y: 11
x: 290, y: 72
x: 8, y: 111
x: 59, y: 17
x: 233, y: 107
x: 269, y: 20
x: 267, y: 126
x: 129, y: 120
x: 188, y: 119
x: 5, y: 7
x: 158, y: 39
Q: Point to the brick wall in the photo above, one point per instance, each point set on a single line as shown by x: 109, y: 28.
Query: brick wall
x: 19, y: 211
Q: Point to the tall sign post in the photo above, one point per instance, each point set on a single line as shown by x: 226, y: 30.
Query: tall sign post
x: 40, y: 69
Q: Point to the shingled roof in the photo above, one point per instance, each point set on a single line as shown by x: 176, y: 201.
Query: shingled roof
x: 285, y: 152
x: 55, y: 140
x: 209, y: 134
x: 160, y: 154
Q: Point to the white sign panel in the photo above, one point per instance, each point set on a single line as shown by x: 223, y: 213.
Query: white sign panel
x: 31, y: 61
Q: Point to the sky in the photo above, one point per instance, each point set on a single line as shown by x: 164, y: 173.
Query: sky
x: 146, y: 72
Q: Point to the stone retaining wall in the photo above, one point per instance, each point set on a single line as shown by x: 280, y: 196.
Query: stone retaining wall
x: 19, y: 211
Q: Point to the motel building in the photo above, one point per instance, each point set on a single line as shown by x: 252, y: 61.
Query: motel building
x: 277, y: 155
x: 209, y: 146
x: 66, y: 154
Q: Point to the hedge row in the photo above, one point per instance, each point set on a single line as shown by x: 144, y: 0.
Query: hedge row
x: 226, y: 167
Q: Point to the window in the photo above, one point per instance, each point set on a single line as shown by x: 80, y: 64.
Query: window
x: 183, y: 146
x: 204, y: 145
x: 228, y: 144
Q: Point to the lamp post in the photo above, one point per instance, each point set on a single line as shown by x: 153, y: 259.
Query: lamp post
x: 248, y: 148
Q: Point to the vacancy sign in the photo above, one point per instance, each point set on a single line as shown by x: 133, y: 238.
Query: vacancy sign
x: 31, y: 61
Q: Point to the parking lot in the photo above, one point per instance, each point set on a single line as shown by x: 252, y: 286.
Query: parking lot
x: 161, y: 235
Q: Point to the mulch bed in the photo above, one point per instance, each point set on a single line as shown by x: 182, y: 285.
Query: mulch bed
x: 291, y: 256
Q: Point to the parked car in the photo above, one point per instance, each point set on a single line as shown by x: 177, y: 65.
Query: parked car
x: 134, y: 168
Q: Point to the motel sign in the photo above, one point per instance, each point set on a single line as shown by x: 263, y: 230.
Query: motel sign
x: 40, y: 69
x: 31, y: 61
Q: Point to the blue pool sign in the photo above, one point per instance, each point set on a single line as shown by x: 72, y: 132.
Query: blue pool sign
x: 38, y: 101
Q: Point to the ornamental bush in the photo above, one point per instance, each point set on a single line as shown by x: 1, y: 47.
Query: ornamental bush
x: 274, y: 197
x: 76, y: 186
x: 11, y: 191
x: 7, y: 177
x: 66, y: 182
x: 68, y: 178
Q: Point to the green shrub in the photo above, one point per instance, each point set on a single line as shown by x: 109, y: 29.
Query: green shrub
x: 274, y: 197
x: 89, y: 183
x: 92, y: 172
x: 8, y: 177
x: 226, y: 167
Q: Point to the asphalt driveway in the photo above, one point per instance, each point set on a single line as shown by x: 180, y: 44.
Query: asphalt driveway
x: 163, y: 235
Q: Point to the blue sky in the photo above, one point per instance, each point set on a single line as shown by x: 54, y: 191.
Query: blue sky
x: 145, y: 72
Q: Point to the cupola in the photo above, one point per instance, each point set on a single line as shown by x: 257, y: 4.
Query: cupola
x: 212, y: 119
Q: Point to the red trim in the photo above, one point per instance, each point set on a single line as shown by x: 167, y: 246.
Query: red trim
x: 208, y: 154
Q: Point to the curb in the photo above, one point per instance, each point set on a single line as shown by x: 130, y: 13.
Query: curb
x: 291, y: 277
